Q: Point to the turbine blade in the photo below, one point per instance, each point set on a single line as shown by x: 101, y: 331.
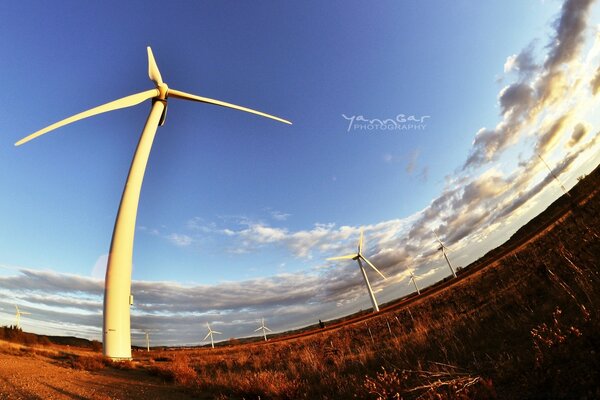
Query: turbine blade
x: 153, y: 72
x: 124, y: 102
x: 267, y: 329
x: 372, y: 266
x: 24, y: 313
x: 218, y: 333
x: 258, y: 329
x: 346, y: 257
x: 186, y: 96
x: 360, y: 241
x: 207, y: 335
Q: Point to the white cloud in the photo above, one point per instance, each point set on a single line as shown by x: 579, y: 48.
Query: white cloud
x: 180, y: 239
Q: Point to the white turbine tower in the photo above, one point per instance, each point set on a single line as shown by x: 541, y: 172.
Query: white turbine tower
x: 147, y: 341
x: 210, y: 333
x: 443, y: 249
x: 264, y: 329
x: 413, y: 278
x: 18, y: 316
x: 359, y: 257
x: 116, y: 332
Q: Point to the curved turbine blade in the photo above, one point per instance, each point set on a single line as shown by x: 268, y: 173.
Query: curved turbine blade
x: 346, y: 257
x: 124, y: 102
x: 153, y: 72
x: 186, y: 96
x: 372, y: 266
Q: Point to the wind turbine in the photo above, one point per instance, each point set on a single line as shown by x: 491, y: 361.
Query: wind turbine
x: 359, y: 257
x: 264, y: 329
x: 555, y: 177
x: 210, y: 333
x: 18, y: 316
x: 147, y: 341
x: 443, y: 249
x: 116, y: 333
x: 413, y: 278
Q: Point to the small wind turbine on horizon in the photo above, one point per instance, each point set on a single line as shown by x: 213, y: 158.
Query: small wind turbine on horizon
x: 413, y: 278
x: 359, y: 257
x: 210, y: 333
x: 443, y: 249
x: 116, y: 332
x: 264, y: 329
x: 18, y: 316
x: 555, y: 177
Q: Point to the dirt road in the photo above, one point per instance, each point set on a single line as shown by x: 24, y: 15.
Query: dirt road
x: 36, y: 377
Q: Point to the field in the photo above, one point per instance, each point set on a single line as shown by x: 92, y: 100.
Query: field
x: 522, y: 322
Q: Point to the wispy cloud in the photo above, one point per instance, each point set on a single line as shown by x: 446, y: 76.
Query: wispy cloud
x: 180, y: 239
x: 595, y: 83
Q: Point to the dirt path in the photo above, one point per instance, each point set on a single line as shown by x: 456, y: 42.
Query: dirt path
x: 36, y: 377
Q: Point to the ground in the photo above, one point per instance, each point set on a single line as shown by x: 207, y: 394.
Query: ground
x: 39, y: 377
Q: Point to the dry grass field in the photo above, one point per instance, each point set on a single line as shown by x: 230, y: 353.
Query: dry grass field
x: 522, y: 325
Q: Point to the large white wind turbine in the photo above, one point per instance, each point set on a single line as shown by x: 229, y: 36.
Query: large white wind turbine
x: 210, y: 333
x: 18, y: 316
x: 359, y: 257
x: 443, y: 249
x: 264, y: 329
x: 116, y: 332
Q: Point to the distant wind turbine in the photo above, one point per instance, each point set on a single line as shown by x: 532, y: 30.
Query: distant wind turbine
x: 116, y: 333
x: 264, y: 329
x: 443, y: 249
x: 210, y: 333
x: 359, y: 257
x: 147, y: 341
x: 413, y: 278
x: 555, y: 177
x: 18, y: 316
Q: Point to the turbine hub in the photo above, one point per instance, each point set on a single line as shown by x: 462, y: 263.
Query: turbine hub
x: 163, y: 91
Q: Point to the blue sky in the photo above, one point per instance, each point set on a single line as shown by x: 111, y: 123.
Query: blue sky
x: 237, y: 212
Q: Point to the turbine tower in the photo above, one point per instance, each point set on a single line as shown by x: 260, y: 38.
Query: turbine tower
x: 359, y: 257
x: 443, y: 249
x: 147, y: 342
x: 210, y: 333
x: 116, y: 333
x: 18, y: 316
x: 264, y: 329
x: 413, y: 278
